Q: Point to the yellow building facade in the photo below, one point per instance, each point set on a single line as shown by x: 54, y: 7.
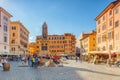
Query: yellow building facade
x: 108, y: 28
x: 32, y: 48
x: 55, y: 44
x: 19, y: 38
x: 88, y: 42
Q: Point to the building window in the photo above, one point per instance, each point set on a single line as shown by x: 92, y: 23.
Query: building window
x: 5, y: 28
x: 103, y: 18
x: 104, y: 27
x: 110, y: 23
x: 63, y: 38
x: 98, y: 30
x: 116, y: 36
x: 98, y: 22
x: 110, y: 13
x: 13, y: 49
x: 13, y: 41
x: 13, y: 34
x: 5, y: 39
x: 116, y: 10
x: 37, y: 46
x: 5, y: 18
x: 44, y: 47
x: 110, y: 35
x: 13, y: 27
x: 5, y: 47
x: 99, y: 39
x: 103, y: 38
x: 116, y: 23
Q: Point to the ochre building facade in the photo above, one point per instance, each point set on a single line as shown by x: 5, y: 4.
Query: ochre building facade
x: 19, y: 38
x: 88, y: 42
x: 54, y: 44
x: 108, y: 28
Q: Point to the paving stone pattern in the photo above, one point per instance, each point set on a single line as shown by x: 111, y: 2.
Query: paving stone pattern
x: 72, y: 71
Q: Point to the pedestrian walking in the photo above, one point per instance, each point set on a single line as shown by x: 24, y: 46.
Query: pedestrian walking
x: 1, y: 62
x: 22, y: 59
x: 76, y: 58
x: 39, y: 62
x: 33, y: 61
x: 36, y: 61
x: 55, y: 59
x: 29, y: 60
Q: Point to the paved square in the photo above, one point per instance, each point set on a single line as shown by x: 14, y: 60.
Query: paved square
x: 72, y: 71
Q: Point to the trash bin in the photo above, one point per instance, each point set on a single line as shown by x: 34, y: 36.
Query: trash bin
x: 6, y: 67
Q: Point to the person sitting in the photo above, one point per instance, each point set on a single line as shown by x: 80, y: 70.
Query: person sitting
x: 55, y: 59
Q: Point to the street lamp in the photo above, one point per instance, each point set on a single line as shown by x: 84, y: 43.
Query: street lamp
x: 109, y: 58
x: 108, y: 45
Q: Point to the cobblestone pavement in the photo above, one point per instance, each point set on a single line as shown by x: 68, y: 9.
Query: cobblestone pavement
x: 72, y: 71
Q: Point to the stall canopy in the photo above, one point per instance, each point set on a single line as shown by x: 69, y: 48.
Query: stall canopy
x: 70, y: 54
x: 113, y: 53
x: 12, y: 54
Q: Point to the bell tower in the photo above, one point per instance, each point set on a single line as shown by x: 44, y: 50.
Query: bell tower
x: 44, y: 44
x: 44, y: 31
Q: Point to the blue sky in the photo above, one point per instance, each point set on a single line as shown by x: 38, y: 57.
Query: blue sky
x: 61, y: 16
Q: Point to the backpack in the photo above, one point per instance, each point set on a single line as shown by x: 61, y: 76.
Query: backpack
x: 33, y: 59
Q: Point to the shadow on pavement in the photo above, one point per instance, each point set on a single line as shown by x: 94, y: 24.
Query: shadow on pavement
x: 92, y: 71
x: 50, y: 73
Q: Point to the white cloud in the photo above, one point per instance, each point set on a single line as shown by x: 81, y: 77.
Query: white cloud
x: 31, y: 39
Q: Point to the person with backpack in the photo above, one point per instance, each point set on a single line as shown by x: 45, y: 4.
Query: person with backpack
x: 36, y: 61
x: 33, y: 61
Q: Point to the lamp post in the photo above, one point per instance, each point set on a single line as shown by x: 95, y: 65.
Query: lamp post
x: 109, y: 58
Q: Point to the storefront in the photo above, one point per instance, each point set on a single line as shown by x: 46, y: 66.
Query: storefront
x: 102, y: 57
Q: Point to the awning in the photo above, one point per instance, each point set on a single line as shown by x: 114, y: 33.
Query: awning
x: 1, y: 53
x: 70, y: 54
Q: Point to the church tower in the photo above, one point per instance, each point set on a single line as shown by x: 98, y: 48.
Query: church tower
x: 44, y: 44
x: 44, y: 31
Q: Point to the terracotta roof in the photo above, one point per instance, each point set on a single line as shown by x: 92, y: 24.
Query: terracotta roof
x: 4, y: 11
x: 111, y: 5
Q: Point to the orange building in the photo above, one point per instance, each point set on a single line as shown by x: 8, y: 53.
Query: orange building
x: 19, y: 37
x: 32, y: 48
x: 88, y: 42
x: 51, y: 44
